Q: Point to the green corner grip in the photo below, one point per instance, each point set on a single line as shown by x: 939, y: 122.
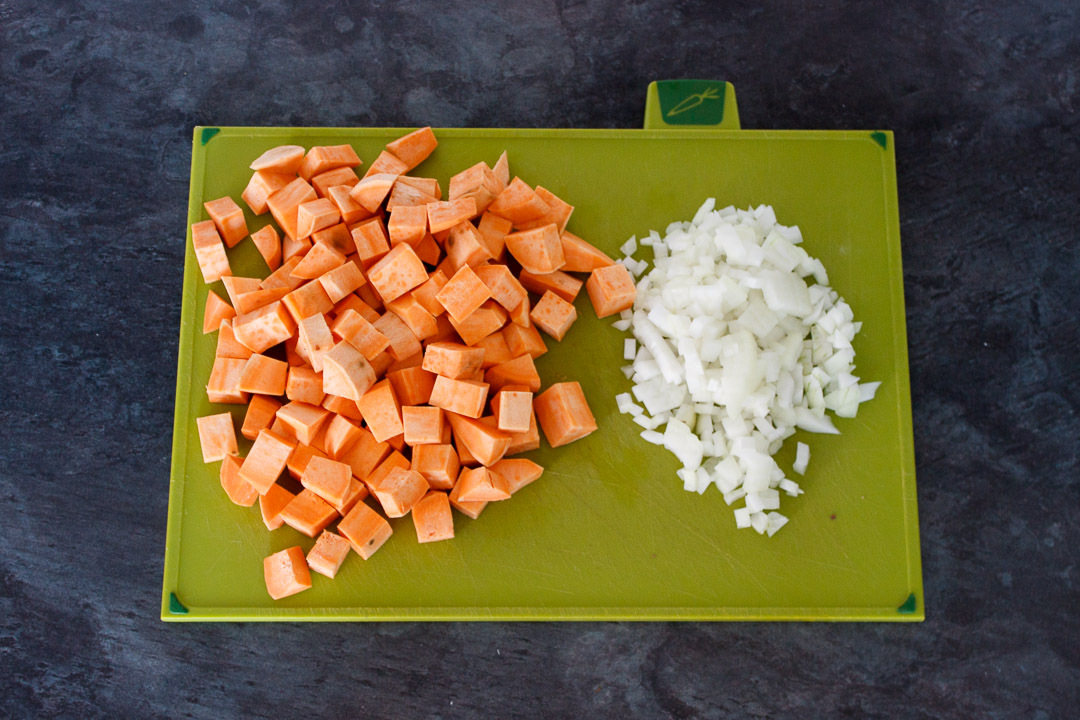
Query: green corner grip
x: 175, y: 606
x: 880, y: 138
x: 691, y: 104
x: 908, y: 607
x: 208, y: 134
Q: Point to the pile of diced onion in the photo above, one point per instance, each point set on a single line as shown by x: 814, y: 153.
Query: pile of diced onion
x: 738, y: 340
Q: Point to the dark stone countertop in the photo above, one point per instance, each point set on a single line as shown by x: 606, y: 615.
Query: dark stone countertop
x: 98, y: 105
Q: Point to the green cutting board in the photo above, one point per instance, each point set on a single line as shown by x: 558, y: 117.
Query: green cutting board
x: 608, y: 532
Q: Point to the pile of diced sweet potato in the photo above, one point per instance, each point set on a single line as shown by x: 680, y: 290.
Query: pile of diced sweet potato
x: 388, y: 355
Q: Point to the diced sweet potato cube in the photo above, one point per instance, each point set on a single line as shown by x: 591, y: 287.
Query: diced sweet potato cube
x: 315, y: 215
x: 519, y: 371
x: 423, y: 424
x: 263, y: 375
x: 341, y: 434
x: 518, y: 203
x: 468, y: 509
x: 486, y: 443
x: 228, y: 219
x: 428, y: 186
x: 482, y: 485
x: 394, y: 460
x: 261, y: 329
x: 518, y: 472
x: 361, y: 334
x: 513, y: 410
x: 408, y: 223
x: 493, y: 230
x: 399, y: 490
x: 342, y: 281
x: 501, y: 171
x: 319, y: 159
x: 464, y: 246
x: 564, y: 414
x: 520, y: 314
x: 495, y: 351
x: 282, y: 277
x: 559, y: 211
x: 365, y: 529
x: 351, y: 211
x: 234, y: 486
x: 259, y: 416
x: 523, y: 341
x: 271, y: 503
x: 478, y: 183
x: 371, y: 240
x: 565, y: 286
x: 504, y: 287
x: 407, y: 195
x: 314, y: 339
x: 209, y: 252
x: 381, y: 411
x: 307, y: 300
x: 432, y: 518
x: 398, y: 272
x: 339, y: 177
x: 539, y: 251
x: 445, y: 215
x: 280, y: 159
x: 286, y: 573
x: 342, y: 406
x: 221, y: 387
x: 293, y: 248
x: 387, y: 163
x: 381, y: 362
x: 318, y: 261
x: 426, y: 292
x: 463, y: 294
x: 483, y: 321
x: 414, y: 148
x: 304, y: 420
x: 464, y: 397
x: 336, y: 236
x: 285, y: 202
x: 611, y: 290
x: 412, y: 385
x: 300, y: 458
x: 357, y: 492
x: 252, y: 300
x: 438, y: 464
x: 227, y: 344
x: 353, y: 302
x: 217, y: 435
x: 412, y: 313
x: 305, y: 385
x: 266, y: 460
x: 452, y: 360
x: 261, y: 186
x: 581, y: 256
x: 553, y: 315
x: 365, y: 455
x: 346, y: 372
x: 216, y: 310
x: 308, y: 513
x: 403, y: 342
x: 328, y: 553
x: 235, y: 286
x: 268, y: 243
x: 328, y: 479
x: 428, y: 250
x: 370, y: 192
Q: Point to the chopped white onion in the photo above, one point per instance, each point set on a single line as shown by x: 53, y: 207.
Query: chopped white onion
x: 738, y: 341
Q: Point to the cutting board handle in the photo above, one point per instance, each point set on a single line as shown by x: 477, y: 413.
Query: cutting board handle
x: 691, y: 104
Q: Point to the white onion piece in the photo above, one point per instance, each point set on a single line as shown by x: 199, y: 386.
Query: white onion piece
x: 738, y: 341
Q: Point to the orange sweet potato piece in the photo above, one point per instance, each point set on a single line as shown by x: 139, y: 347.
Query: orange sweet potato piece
x: 523, y: 341
x: 408, y: 195
x: 342, y: 406
x: 236, y: 286
x: 221, y: 387
x: 445, y: 215
x: 365, y: 455
x: 314, y: 340
x: 495, y: 351
x: 520, y: 314
x: 423, y: 424
x: 437, y: 463
x: 477, y: 182
x: 268, y: 243
x: 265, y: 461
x: 387, y: 163
x: 482, y: 485
x: 428, y: 250
x: 564, y: 414
x: 304, y: 385
x: 365, y: 530
x: 328, y: 553
x: 315, y: 215
x: 426, y: 292
x: 216, y: 311
x: 341, y: 435
x: 308, y: 513
x: 282, y: 277
x: 519, y: 371
x: 328, y: 479
x: 261, y: 186
x: 501, y: 170
x: 217, y: 435
x: 412, y: 313
x: 261, y: 329
x: 227, y: 344
x: 341, y: 282
x: 412, y: 385
x: 370, y: 192
x: 559, y: 211
x: 529, y: 440
x: 307, y: 300
x: 319, y: 260
x: 338, y: 177
x: 351, y: 211
x: 381, y: 411
x: 518, y: 203
x: 428, y: 186
x: 304, y: 421
x: 581, y: 256
x: 280, y: 159
x: 518, y: 472
x: 209, y: 252
x: 357, y: 492
x: 346, y: 372
x: 452, y: 360
x: 398, y: 272
x: 485, y: 443
x: 271, y: 503
x: 399, y: 490
x: 493, y: 230
x: 611, y: 290
x: 464, y: 246
x: 502, y: 285
x: 361, y: 334
x: 553, y: 315
x: 371, y: 241
x: 285, y: 202
x: 319, y: 159
x: 336, y: 236
x: 286, y: 573
x: 513, y: 410
x: 539, y: 251
x: 353, y: 302
x: 464, y: 397
x: 259, y: 416
x: 408, y: 224
x: 463, y: 294
x: 565, y: 286
x: 293, y: 248
x: 236, y: 488
x: 432, y: 518
x: 468, y: 509
x: 263, y: 375
x: 228, y: 219
x: 403, y: 342
x: 480, y: 323
x: 414, y: 148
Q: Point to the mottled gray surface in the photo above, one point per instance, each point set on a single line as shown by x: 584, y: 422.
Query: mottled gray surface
x: 98, y: 105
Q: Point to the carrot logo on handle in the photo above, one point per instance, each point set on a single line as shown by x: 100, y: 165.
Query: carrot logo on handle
x: 692, y: 101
